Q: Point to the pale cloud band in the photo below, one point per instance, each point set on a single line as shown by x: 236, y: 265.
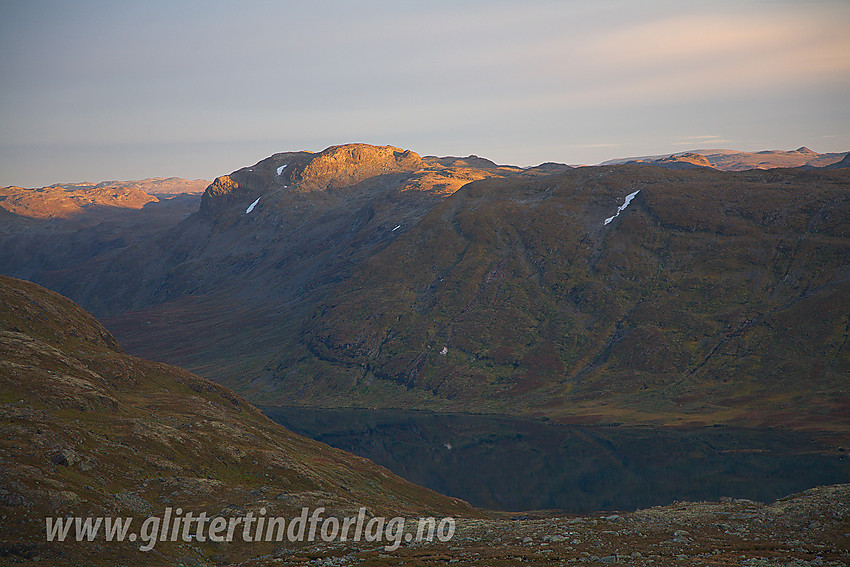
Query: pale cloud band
x: 228, y: 83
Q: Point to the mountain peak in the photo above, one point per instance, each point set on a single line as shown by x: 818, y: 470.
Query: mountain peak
x: 339, y: 166
x: 332, y: 168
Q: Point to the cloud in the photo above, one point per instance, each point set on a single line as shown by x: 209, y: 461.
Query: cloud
x: 584, y: 146
x: 703, y: 142
x: 703, y: 56
x: 544, y: 80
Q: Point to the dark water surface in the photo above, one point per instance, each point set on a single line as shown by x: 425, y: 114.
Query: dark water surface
x: 514, y: 464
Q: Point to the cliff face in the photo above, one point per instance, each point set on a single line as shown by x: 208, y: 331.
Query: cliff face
x: 292, y: 220
x: 343, y: 166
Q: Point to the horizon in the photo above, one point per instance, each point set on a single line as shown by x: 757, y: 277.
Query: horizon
x: 97, y: 91
x: 507, y: 164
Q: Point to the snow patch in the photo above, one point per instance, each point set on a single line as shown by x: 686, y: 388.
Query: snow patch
x: 251, y: 208
x: 281, y: 168
x: 622, y: 207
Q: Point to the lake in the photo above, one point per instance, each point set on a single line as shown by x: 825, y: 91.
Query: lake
x: 517, y: 464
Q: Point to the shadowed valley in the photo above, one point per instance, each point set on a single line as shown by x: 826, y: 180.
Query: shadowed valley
x: 370, y: 276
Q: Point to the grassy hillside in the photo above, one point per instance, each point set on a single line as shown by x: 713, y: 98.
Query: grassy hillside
x: 713, y: 298
x: 91, y: 431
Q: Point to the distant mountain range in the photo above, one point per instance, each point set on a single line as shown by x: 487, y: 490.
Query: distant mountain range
x: 70, y: 200
x: 735, y: 160
x: 659, y: 293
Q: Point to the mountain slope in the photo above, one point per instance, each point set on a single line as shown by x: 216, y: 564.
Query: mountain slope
x: 713, y: 297
x: 845, y: 162
x: 728, y: 160
x: 371, y: 276
x: 261, y: 271
x: 687, y: 160
x: 91, y: 431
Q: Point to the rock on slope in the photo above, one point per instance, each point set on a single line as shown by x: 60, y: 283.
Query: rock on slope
x: 91, y: 431
x: 803, y: 530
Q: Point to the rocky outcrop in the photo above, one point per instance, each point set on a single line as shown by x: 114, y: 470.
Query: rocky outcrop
x: 684, y: 161
x: 808, y: 529
x: 333, y: 168
x: 342, y: 166
x: 240, y: 186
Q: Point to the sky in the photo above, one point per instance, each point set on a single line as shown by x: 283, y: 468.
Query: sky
x: 104, y: 90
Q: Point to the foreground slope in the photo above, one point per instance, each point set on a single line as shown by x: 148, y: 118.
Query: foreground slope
x: 91, y: 431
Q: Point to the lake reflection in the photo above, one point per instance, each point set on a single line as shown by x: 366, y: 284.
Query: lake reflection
x: 515, y: 464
